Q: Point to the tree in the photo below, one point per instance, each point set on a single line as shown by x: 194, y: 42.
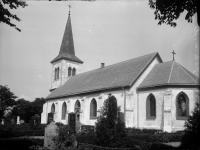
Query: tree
x: 167, y: 11
x: 109, y: 127
x: 23, y: 109
x: 6, y: 15
x: 7, y: 100
x: 192, y: 130
x: 26, y: 109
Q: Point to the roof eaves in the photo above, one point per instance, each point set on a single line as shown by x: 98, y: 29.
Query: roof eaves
x: 84, y: 92
x: 164, y: 85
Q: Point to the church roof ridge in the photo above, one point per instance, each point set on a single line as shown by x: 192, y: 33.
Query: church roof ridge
x: 67, y: 50
x: 110, y: 77
x: 118, y: 63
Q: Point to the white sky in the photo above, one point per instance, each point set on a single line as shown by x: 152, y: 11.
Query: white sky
x: 109, y: 32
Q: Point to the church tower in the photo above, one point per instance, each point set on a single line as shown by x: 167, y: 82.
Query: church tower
x: 66, y: 64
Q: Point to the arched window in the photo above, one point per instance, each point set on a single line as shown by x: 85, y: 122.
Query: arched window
x: 151, y: 107
x: 93, y: 109
x: 69, y: 71
x: 53, y: 108
x: 73, y: 72
x: 77, y: 109
x: 64, y: 111
x: 57, y: 73
x: 182, y: 106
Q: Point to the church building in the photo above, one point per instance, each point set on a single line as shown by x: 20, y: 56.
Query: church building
x: 151, y: 93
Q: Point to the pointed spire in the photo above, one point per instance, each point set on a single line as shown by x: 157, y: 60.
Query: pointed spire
x: 67, y: 50
x: 67, y: 45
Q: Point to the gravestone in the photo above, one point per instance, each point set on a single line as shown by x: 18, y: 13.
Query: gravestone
x: 72, y: 121
x: 50, y: 133
x: 50, y: 118
x: 18, y: 119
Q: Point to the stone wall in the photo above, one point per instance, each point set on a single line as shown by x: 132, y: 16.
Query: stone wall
x: 63, y: 72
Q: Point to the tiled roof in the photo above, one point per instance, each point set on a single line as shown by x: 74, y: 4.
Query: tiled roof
x: 114, y: 76
x: 67, y: 47
x: 169, y: 73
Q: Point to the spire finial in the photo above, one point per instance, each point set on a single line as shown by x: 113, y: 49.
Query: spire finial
x: 173, y: 54
x: 69, y: 8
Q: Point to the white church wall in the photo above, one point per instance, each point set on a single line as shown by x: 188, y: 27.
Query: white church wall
x: 132, y: 107
x: 85, y: 106
x: 159, y: 122
x: 143, y: 122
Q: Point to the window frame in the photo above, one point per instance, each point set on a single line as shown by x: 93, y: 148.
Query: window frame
x: 178, y: 117
x: 63, y: 113
x: 93, y: 110
x: 53, y: 106
x: 149, y: 101
x: 69, y: 72
x: 73, y: 71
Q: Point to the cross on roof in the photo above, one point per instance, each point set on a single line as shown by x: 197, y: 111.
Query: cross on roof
x: 173, y: 54
x: 69, y: 8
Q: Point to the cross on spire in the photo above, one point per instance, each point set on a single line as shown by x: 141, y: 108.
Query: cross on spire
x: 173, y: 54
x: 69, y: 8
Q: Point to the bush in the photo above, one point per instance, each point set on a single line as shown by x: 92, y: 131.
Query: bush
x: 158, y: 146
x: 141, y: 131
x: 7, y: 131
x: 109, y: 128
x: 64, y: 140
x: 95, y: 147
x: 88, y: 138
x: 192, y: 130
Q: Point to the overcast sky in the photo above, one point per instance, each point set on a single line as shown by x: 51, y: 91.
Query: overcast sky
x: 108, y: 32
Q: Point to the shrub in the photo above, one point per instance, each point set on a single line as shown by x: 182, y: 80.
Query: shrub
x: 192, y: 130
x: 64, y: 140
x: 109, y: 128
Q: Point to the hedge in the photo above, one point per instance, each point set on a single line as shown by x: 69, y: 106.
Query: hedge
x: 19, y: 143
x: 95, y: 147
x: 161, y: 137
x: 7, y: 131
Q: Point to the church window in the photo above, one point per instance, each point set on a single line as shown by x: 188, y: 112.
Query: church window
x: 77, y: 109
x: 93, y: 109
x: 64, y: 111
x: 56, y: 74
x: 53, y: 108
x: 182, y: 106
x: 69, y: 71
x: 73, y: 72
x: 151, y: 107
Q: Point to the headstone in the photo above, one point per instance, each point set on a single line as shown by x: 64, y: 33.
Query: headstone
x: 12, y: 121
x: 50, y: 118
x: 2, y: 121
x: 18, y: 119
x: 72, y: 121
x: 50, y: 133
